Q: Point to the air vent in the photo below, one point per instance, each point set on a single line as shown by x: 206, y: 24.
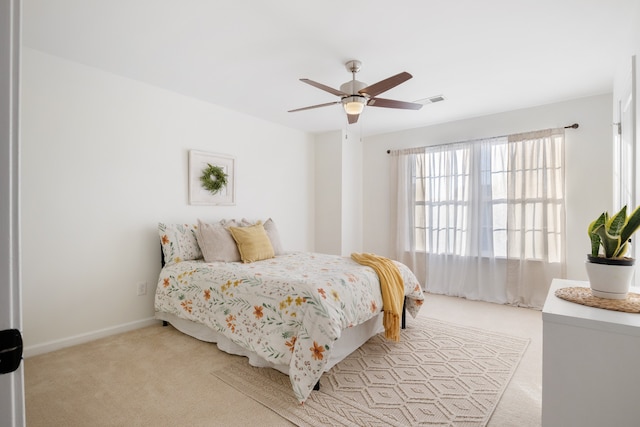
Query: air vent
x: 430, y: 100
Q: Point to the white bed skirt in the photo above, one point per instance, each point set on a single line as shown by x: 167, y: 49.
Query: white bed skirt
x: 351, y: 339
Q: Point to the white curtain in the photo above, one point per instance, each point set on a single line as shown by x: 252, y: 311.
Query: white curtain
x: 484, y: 219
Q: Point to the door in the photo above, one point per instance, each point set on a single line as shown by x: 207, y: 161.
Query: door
x: 627, y: 155
x: 11, y: 384
x: 628, y: 136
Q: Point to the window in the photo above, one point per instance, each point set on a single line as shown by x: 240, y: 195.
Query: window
x: 449, y: 179
x: 485, y: 214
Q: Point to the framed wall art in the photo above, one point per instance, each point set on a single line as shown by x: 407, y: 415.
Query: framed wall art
x: 211, y: 178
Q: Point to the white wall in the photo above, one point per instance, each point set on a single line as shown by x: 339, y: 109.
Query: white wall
x: 104, y: 159
x: 339, y: 189
x: 352, y: 188
x: 635, y: 50
x: 588, y: 166
x: 328, y: 190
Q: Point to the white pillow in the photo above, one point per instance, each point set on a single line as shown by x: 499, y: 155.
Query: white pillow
x: 274, y: 236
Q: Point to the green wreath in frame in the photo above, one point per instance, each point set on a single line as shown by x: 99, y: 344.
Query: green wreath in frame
x: 213, y: 178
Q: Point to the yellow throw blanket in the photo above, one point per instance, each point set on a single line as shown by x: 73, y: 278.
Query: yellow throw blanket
x: 392, y: 287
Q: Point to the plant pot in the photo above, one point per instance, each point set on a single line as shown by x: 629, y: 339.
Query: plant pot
x: 610, y: 277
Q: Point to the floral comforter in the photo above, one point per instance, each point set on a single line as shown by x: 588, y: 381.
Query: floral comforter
x: 289, y: 309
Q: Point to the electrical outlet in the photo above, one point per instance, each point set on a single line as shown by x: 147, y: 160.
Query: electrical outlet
x: 142, y: 288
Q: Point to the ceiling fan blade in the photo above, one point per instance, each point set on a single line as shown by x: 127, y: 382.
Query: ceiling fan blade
x: 353, y: 118
x: 331, y: 90
x: 385, y: 85
x: 390, y: 103
x: 314, y: 106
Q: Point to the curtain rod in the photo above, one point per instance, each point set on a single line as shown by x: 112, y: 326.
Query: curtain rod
x: 573, y: 126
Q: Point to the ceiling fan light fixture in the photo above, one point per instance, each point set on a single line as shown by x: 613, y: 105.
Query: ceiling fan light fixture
x: 354, y: 104
x: 354, y: 95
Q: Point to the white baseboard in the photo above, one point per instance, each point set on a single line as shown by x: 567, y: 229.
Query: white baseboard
x: 47, y: 347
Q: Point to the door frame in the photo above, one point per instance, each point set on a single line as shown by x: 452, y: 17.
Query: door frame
x: 12, y: 409
x: 626, y: 156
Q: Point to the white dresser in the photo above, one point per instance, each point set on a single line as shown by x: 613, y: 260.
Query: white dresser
x: 590, y: 364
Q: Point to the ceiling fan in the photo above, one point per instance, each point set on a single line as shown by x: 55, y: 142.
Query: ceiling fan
x: 354, y: 95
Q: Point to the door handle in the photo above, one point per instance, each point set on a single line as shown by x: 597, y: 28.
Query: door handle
x: 10, y: 350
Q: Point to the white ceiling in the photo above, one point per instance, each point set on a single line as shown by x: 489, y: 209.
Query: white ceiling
x: 247, y: 55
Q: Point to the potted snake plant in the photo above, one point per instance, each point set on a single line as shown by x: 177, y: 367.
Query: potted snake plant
x: 609, y: 271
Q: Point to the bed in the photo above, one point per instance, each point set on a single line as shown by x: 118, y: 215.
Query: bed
x: 297, y: 312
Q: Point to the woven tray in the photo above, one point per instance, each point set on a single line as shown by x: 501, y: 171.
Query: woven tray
x: 583, y: 296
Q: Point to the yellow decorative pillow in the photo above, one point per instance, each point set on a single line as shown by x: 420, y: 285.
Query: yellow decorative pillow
x: 253, y: 242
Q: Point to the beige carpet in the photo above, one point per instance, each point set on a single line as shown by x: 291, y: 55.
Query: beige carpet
x: 440, y: 374
x: 158, y: 376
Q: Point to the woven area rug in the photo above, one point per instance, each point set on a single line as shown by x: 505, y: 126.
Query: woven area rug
x: 440, y: 374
